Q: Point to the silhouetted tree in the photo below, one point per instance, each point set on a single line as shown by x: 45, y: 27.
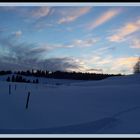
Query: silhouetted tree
x: 17, y: 78
x: 37, y: 81
x: 8, y: 79
x: 5, y: 72
x: 24, y: 80
x: 13, y: 79
x: 61, y: 75
x: 28, y: 81
x: 137, y: 66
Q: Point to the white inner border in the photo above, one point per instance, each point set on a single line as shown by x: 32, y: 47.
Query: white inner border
x: 69, y: 4
x: 69, y: 135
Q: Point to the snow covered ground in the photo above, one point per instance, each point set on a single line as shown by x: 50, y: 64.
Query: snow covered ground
x: 109, y: 106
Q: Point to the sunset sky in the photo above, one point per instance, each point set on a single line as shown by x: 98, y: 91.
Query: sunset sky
x: 71, y: 38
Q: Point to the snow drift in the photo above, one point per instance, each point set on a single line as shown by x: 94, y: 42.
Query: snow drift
x: 109, y: 106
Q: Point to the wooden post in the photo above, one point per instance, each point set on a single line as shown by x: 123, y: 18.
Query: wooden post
x: 9, y: 89
x: 27, y: 100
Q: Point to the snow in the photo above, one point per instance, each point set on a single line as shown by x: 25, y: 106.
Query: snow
x: 109, y: 106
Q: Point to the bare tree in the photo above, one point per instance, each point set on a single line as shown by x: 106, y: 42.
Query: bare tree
x: 136, y: 67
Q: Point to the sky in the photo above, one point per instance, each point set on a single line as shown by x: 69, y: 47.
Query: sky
x: 101, y: 39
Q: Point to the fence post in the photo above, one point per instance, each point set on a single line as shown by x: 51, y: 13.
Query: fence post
x: 15, y: 87
x: 9, y: 89
x: 27, y: 102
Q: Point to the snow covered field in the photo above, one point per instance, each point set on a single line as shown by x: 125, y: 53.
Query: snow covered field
x: 110, y: 106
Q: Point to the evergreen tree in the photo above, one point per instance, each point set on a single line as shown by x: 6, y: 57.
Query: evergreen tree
x: 28, y: 81
x: 17, y: 78
x: 8, y: 79
x: 37, y: 81
x: 137, y: 67
x: 13, y: 79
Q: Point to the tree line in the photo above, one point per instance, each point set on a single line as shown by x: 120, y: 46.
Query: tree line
x: 18, y: 78
x: 5, y: 72
x: 65, y: 75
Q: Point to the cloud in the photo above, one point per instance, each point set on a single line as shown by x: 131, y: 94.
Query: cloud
x: 23, y: 52
x: 60, y: 16
x: 71, y: 14
x: 78, y: 43
x: 7, y: 8
x: 99, y: 61
x: 94, y: 70
x: 126, y: 61
x: 18, y: 33
x: 23, y: 63
x: 100, y: 64
x: 36, y: 12
x: 125, y: 31
x: 23, y: 55
x: 80, y: 65
x: 135, y: 43
x: 104, y: 18
x: 17, y: 51
x: 103, y: 50
x: 41, y: 25
x: 40, y: 12
x: 63, y: 64
x: 17, y: 55
x: 83, y: 43
x: 124, y: 64
x: 110, y: 64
